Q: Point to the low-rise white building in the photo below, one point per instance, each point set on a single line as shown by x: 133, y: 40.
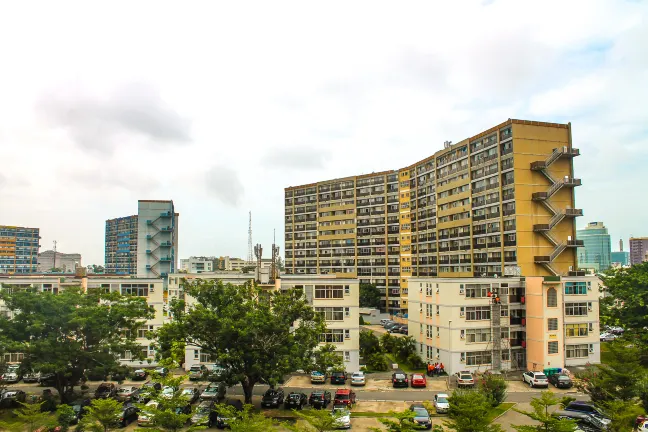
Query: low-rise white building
x: 536, y: 323
x: 338, y: 300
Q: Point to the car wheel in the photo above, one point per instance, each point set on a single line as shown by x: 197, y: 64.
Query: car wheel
x: 530, y: 384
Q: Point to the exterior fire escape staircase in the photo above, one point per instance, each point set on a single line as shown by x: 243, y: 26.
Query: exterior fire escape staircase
x: 557, y: 215
x: 155, y: 267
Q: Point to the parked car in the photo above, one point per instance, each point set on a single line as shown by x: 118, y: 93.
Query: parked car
x: 535, y: 379
x: 105, y: 391
x: 215, y: 391
x: 47, y: 379
x: 399, y: 379
x: 465, y: 379
x: 272, y: 398
x: 394, y: 328
x: 183, y: 409
x: 441, y: 403
x: 204, y: 414
x: 643, y: 426
x: 560, y: 381
x: 584, y: 421
x: 145, y: 417
x: 140, y: 374
x: 320, y: 399
x: 384, y: 321
x: 198, y: 373
x: 317, y: 377
x: 162, y: 371
x: 587, y: 408
x: 358, y: 379
x: 344, y: 397
x: 342, y: 416
x: 607, y: 337
x: 11, y: 398
x: 391, y: 325
x: 222, y: 421
x: 128, y: 415
x: 147, y: 391
x: 421, y: 416
x: 338, y: 378
x: 168, y: 392
x: 31, y: 377
x: 418, y: 380
x: 191, y: 393
x: 127, y: 394
x: 216, y: 373
x: 404, y: 329
x: 295, y: 400
x: 79, y: 409
x: 11, y: 374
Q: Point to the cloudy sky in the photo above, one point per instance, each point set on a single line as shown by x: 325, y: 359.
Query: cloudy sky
x: 219, y: 107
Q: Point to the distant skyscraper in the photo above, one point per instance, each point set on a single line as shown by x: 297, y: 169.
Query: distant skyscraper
x: 157, y: 238
x: 638, y: 249
x: 19, y: 248
x: 596, y: 250
x: 121, y: 245
x: 622, y: 258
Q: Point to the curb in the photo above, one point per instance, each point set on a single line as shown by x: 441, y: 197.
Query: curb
x: 515, y: 403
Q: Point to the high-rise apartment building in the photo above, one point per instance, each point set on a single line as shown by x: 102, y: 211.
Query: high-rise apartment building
x: 638, y: 250
x: 596, y: 250
x: 157, y: 238
x: 19, y: 248
x: 498, y: 203
x: 121, y: 245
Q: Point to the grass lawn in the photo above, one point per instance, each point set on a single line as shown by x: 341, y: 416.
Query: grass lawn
x: 404, y: 366
x: 605, y: 353
x: 499, y: 410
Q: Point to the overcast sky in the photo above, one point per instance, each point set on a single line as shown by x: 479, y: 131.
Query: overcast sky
x: 220, y: 107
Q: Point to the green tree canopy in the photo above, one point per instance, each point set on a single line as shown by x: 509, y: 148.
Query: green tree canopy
x: 102, y: 415
x: 326, y: 358
x: 29, y: 418
x: 369, y: 343
x: 250, y: 332
x: 469, y: 412
x: 70, y: 332
x: 625, y: 304
x: 542, y: 414
x: 370, y: 296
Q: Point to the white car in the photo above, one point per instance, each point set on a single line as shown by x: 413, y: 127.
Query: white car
x: 607, y: 337
x: 643, y: 427
x: 358, y: 379
x: 342, y: 417
x: 11, y: 375
x: 465, y: 379
x: 441, y: 402
x: 535, y: 379
x: 144, y: 418
x: 168, y: 392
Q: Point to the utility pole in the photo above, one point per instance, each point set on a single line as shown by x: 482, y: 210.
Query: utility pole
x: 275, y: 257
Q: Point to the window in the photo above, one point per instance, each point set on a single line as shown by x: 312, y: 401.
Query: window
x: 331, y: 313
x: 478, y: 335
x: 429, y: 331
x: 347, y: 289
x: 552, y: 347
x: 332, y: 336
x: 142, y: 332
x: 576, y: 330
x: 575, y: 288
x: 437, y: 310
x: 477, y: 290
x: 576, y: 309
x: 478, y: 358
x: 328, y: 291
x: 552, y: 324
x: 477, y: 313
x: 140, y: 290
x: 552, y: 297
x: 577, y: 351
x: 196, y: 354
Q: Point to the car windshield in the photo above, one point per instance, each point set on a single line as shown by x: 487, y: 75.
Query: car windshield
x: 466, y: 377
x: 271, y: 393
x: 399, y: 376
x: 563, y: 378
x: 420, y: 411
x: 358, y: 375
x: 342, y: 396
x: 442, y: 400
x: 316, y: 373
x: 187, y: 391
x: 293, y: 396
x: 417, y: 376
x: 341, y: 411
x: 317, y: 396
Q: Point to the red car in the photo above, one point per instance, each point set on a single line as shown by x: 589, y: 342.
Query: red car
x: 418, y: 380
x: 344, y: 397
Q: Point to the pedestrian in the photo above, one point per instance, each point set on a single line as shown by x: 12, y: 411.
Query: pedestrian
x: 437, y: 368
x: 429, y: 369
x: 441, y: 368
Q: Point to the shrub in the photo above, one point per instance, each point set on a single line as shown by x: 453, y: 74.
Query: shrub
x: 494, y: 388
x: 377, y: 362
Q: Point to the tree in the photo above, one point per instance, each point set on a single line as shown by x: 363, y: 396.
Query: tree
x: 469, y: 412
x: 326, y: 358
x: 70, y: 332
x: 251, y: 333
x: 317, y: 420
x: 399, y: 422
x: 102, y: 415
x: 246, y: 420
x: 369, y: 343
x: 370, y: 296
x: 622, y: 414
x: 65, y: 416
x: 541, y: 414
x: 625, y: 305
x: 30, y: 418
x: 494, y: 387
x: 376, y: 362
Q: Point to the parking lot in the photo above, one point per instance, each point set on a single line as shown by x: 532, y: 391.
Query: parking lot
x: 302, y: 381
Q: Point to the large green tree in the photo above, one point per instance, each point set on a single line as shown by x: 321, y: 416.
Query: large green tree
x: 469, y: 412
x: 253, y: 334
x: 625, y: 303
x: 70, y: 332
x: 542, y: 414
x: 29, y: 418
x: 326, y: 358
x: 370, y: 296
x: 102, y: 415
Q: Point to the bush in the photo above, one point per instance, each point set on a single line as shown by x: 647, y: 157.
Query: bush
x: 494, y: 388
x: 389, y: 343
x: 97, y: 374
x: 415, y: 361
x: 362, y: 321
x: 377, y: 362
x: 120, y: 373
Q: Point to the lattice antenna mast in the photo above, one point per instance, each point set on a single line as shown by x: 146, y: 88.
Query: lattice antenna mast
x: 258, y: 252
x: 250, y: 257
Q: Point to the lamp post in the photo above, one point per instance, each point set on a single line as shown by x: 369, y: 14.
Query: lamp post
x: 450, y: 345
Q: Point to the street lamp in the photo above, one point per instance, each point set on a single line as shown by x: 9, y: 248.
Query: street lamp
x: 450, y: 344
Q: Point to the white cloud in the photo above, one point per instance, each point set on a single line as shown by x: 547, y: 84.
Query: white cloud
x: 333, y: 89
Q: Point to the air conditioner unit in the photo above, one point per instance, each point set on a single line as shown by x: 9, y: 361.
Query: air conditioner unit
x: 462, y: 312
x: 462, y: 334
x: 591, y: 348
x: 589, y: 306
x: 462, y: 359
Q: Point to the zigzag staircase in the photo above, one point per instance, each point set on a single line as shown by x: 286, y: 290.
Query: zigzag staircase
x: 152, y: 252
x: 557, y: 215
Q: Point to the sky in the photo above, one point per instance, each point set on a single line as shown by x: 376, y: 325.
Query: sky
x: 221, y: 105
